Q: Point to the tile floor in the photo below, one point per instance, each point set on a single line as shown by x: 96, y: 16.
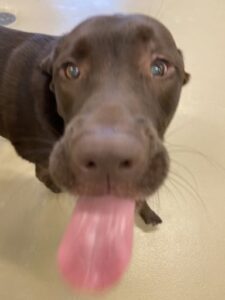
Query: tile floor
x: 184, y: 258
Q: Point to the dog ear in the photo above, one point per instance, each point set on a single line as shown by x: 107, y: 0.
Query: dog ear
x: 187, y: 76
x: 46, y: 66
x: 47, y: 63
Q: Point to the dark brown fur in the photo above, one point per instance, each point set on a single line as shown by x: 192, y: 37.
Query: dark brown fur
x: 49, y: 119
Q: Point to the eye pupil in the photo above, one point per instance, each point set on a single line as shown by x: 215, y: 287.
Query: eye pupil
x: 72, y: 71
x: 158, y: 68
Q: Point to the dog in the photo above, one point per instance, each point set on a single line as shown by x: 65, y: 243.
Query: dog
x: 90, y: 108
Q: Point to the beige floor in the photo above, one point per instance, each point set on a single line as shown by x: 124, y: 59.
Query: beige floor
x: 184, y: 259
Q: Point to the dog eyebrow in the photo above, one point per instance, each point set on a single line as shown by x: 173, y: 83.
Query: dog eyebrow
x: 144, y: 33
x: 82, y: 48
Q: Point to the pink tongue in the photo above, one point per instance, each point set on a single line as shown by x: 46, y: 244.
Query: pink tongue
x: 97, y: 245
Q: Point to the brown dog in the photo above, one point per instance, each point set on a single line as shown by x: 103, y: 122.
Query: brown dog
x: 90, y: 108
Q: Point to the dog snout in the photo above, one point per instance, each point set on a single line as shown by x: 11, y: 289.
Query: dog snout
x: 96, y: 159
x: 106, y: 152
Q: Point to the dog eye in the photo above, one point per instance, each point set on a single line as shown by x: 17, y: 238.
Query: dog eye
x: 71, y: 71
x: 159, y: 68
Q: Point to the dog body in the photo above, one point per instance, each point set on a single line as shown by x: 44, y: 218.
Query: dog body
x: 90, y: 108
x: 20, y: 55
x: 28, y: 116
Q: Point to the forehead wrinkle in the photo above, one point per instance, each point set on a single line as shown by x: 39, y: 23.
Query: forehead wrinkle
x: 126, y: 33
x: 113, y: 41
x: 115, y: 27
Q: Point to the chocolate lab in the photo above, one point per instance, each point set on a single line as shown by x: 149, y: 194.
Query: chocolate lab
x: 90, y: 108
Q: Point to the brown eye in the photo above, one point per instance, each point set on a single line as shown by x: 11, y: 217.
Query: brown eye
x: 159, y: 68
x: 72, y: 71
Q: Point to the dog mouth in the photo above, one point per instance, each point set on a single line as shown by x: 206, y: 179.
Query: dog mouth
x: 146, y: 183
x: 107, y: 187
x: 96, y: 247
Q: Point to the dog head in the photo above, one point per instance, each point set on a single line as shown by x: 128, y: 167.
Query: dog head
x: 117, y: 82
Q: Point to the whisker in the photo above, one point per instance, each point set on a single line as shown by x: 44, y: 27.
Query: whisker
x: 174, y: 183
x: 189, y: 189
x: 177, y: 189
x: 188, y: 150
x: 186, y: 170
x: 189, y: 185
x: 154, y: 200
x: 169, y: 190
x: 174, y: 130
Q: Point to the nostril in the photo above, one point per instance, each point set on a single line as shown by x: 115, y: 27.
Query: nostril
x: 126, y: 164
x: 90, y: 165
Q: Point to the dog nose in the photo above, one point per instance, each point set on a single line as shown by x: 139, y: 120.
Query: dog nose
x: 109, y: 153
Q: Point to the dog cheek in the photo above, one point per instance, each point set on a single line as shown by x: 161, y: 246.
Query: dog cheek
x: 59, y: 168
x: 157, y: 171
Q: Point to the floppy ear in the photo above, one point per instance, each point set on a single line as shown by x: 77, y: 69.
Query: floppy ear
x: 187, y: 76
x: 47, y: 67
x: 47, y: 63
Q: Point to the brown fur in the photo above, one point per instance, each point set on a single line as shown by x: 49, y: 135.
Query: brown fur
x: 78, y: 132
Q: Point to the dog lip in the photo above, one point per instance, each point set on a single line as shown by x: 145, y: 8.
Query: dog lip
x: 82, y: 192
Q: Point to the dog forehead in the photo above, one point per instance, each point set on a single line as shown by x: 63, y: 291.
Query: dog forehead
x: 124, y: 27
x: 118, y: 34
